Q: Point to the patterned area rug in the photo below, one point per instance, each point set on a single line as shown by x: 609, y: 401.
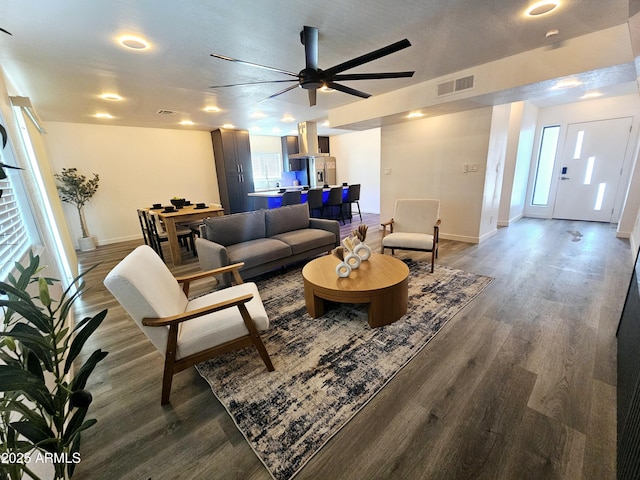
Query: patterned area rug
x: 326, y: 369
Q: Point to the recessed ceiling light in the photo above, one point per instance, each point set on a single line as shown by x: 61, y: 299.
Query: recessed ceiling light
x: 111, y: 97
x: 288, y: 118
x: 103, y: 115
x: 275, y: 130
x: 228, y: 126
x: 542, y: 8
x: 211, y: 109
x: 591, y: 95
x: 326, y: 123
x: 258, y: 115
x: 415, y: 115
x: 552, y: 33
x: 133, y: 42
x: 568, y: 83
x: 186, y: 122
x: 255, y: 128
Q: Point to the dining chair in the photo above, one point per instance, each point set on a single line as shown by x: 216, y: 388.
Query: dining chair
x: 187, y: 331
x: 314, y: 201
x: 415, y: 226
x: 353, y: 196
x: 334, y: 200
x: 143, y: 218
x: 291, y: 198
x: 159, y: 234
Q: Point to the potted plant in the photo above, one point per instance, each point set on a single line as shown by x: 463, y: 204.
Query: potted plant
x: 77, y: 190
x: 43, y: 401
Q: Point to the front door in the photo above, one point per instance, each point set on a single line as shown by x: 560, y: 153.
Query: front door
x: 591, y: 169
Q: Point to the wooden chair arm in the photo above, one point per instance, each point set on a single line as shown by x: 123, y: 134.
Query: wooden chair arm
x: 385, y: 225
x: 183, y: 317
x: 187, y: 279
x: 436, y: 231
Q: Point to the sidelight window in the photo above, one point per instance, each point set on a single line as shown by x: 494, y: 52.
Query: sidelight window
x: 544, y: 167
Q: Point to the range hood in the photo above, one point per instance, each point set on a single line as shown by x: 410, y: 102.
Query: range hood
x: 308, y: 141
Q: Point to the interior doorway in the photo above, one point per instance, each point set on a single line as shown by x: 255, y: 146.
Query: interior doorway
x: 591, y: 166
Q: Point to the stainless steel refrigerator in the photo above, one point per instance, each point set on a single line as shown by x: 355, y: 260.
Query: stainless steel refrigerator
x: 322, y: 171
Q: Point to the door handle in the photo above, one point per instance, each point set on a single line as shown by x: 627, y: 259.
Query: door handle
x: 565, y: 178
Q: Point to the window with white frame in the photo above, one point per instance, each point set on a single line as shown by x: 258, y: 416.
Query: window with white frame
x: 15, y: 237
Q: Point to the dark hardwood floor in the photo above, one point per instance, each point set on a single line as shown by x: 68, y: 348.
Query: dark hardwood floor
x: 519, y: 385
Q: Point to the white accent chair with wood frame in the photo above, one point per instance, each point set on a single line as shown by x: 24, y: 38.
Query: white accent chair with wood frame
x: 415, y: 226
x: 186, y: 331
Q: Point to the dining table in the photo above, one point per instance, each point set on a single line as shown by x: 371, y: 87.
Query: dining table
x: 186, y: 214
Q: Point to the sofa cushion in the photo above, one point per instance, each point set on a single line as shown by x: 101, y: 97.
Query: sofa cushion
x: 257, y: 252
x: 239, y: 227
x: 285, y: 219
x: 307, y: 239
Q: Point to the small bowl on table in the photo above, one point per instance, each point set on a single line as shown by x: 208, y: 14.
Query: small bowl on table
x: 178, y: 202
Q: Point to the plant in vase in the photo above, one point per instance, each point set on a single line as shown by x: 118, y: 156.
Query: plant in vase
x: 42, y: 404
x: 76, y: 189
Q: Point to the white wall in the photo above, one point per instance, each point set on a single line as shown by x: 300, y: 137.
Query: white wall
x: 522, y: 128
x: 358, y: 161
x: 137, y: 167
x: 424, y: 159
x: 586, y: 111
x: 494, y: 170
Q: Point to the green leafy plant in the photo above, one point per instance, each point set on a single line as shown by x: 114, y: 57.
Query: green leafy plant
x: 76, y: 189
x: 43, y: 403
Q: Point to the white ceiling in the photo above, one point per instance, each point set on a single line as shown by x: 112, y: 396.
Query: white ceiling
x: 63, y: 54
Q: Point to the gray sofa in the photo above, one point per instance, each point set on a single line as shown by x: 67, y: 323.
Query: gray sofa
x: 265, y: 239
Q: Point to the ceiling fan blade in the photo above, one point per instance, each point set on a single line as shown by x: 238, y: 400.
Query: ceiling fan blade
x: 368, y: 57
x: 251, y: 83
x: 371, y: 76
x: 273, y: 69
x: 309, y: 38
x: 313, y: 94
x: 279, y: 93
x: 350, y: 91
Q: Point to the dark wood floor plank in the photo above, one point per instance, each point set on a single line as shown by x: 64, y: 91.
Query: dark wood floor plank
x: 542, y: 334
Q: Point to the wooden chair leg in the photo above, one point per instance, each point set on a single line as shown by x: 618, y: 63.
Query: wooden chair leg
x: 255, y: 337
x: 433, y: 257
x: 169, y: 360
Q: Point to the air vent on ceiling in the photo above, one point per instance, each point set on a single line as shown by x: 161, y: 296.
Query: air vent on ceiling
x: 166, y: 112
x: 457, y: 85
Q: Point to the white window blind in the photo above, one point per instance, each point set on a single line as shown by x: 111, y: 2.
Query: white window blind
x: 266, y: 166
x: 14, y: 238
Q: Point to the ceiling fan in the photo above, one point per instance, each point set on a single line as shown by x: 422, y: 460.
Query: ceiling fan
x: 311, y: 78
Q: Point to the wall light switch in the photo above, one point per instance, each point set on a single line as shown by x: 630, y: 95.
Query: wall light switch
x: 474, y: 167
x: 465, y: 168
x: 387, y: 171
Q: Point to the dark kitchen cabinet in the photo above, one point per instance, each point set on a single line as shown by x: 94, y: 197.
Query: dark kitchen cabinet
x: 232, y: 154
x: 323, y: 144
x: 290, y: 147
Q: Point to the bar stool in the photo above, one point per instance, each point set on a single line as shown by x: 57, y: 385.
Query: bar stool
x: 334, y: 200
x: 291, y: 198
x: 314, y: 201
x: 353, y: 196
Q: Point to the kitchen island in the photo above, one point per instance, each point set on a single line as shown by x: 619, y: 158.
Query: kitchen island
x: 273, y: 198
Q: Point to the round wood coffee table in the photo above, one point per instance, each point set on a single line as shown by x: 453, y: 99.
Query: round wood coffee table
x: 382, y: 282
